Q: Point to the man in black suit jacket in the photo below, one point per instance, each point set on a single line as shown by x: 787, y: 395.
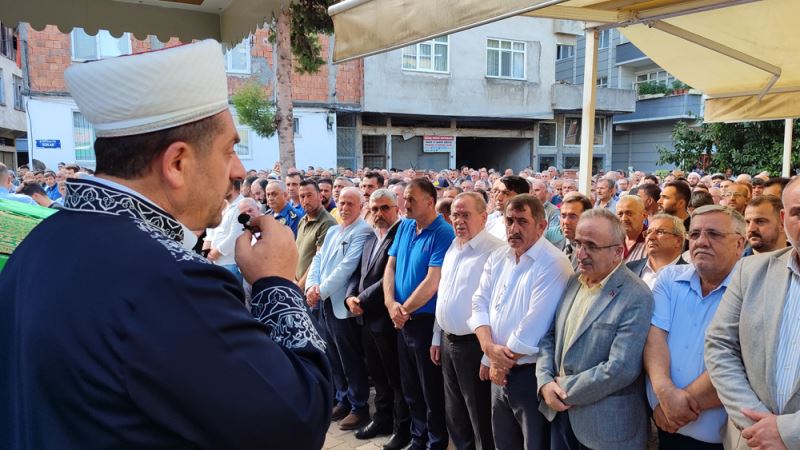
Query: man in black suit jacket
x: 365, y: 300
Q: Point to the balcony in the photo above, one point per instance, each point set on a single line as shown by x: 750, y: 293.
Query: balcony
x: 569, y: 97
x: 629, y: 54
x: 665, y: 107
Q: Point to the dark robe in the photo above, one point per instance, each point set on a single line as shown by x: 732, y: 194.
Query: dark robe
x: 130, y: 341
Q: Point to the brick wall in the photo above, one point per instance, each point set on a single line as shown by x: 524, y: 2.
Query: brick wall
x: 49, y: 54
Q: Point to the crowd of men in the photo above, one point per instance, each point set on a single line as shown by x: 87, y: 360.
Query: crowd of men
x: 511, y: 311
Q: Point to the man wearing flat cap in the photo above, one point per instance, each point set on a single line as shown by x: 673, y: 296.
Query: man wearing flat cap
x: 136, y: 342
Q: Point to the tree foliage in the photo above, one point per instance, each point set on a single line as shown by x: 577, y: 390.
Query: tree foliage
x: 255, y: 109
x: 746, y: 147
x: 309, y: 19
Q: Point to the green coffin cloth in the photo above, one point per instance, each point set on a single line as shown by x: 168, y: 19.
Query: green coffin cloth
x: 16, y: 221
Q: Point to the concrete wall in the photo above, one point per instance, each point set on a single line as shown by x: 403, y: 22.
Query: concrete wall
x: 11, y: 119
x: 407, y: 153
x: 636, y: 145
x: 465, y: 90
x: 51, y: 119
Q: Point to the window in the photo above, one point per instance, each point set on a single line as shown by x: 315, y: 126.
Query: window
x: 546, y: 161
x: 83, y: 135
x: 102, y: 45
x: 573, y: 162
x: 547, y: 134
x: 237, y: 59
x: 564, y: 51
x: 572, y: 131
x: 428, y: 56
x: 602, y: 82
x: 296, y: 125
x: 660, y: 77
x: 19, y: 102
x: 2, y: 88
x: 7, y: 42
x: 605, y: 39
x: 505, y: 59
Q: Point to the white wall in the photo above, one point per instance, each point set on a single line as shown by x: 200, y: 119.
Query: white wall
x: 50, y: 118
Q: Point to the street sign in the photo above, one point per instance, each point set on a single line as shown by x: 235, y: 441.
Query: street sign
x: 48, y: 143
x: 438, y: 144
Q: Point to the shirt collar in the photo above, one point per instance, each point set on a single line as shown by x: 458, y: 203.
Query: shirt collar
x: 690, y: 275
x: 476, y: 242
x: 791, y: 263
x: 603, y: 282
x: 285, y: 211
x: 532, y: 253
x: 671, y: 263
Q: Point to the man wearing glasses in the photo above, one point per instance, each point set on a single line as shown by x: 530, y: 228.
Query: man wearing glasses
x: 590, y: 362
x: 736, y: 197
x: 664, y: 245
x: 685, y: 405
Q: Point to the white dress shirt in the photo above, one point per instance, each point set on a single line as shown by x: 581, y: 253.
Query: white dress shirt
x: 649, y: 275
x: 518, y: 300
x: 225, y: 235
x: 461, y: 273
x: 496, y: 225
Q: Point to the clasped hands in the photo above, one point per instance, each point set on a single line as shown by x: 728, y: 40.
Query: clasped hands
x: 676, y: 408
x: 501, y: 360
x: 398, y: 314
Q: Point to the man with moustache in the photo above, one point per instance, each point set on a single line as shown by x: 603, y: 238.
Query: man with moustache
x: 281, y: 209
x: 674, y: 200
x: 372, y: 180
x: 664, y: 240
x: 312, y: 228
x: 365, y: 301
x: 326, y: 194
x: 630, y: 211
x: 410, y: 284
x: 590, y: 361
x: 518, y: 293
x: 649, y: 193
x: 573, y: 205
x: 455, y: 347
x: 502, y: 191
x: 764, y: 225
x: 685, y: 405
x: 258, y: 194
x: 751, y: 344
x: 338, y: 184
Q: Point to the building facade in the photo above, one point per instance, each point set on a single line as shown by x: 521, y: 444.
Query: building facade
x: 661, y: 99
x: 58, y: 132
x: 12, y: 101
x: 488, y: 96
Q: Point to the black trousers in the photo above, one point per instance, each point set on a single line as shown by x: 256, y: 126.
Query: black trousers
x: 344, y: 348
x: 380, y: 351
x: 516, y: 420
x: 468, y: 400
x: 422, y: 383
x: 675, y: 441
x: 561, y: 435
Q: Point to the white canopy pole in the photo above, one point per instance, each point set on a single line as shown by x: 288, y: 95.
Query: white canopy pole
x: 587, y: 118
x: 787, y: 148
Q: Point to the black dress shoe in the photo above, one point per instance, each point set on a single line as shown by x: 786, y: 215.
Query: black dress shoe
x: 398, y: 441
x: 374, y: 429
x: 339, y: 412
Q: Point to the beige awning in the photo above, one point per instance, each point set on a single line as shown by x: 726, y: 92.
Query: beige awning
x: 740, y: 53
x: 228, y: 21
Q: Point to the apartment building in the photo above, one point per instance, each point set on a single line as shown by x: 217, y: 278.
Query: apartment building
x: 58, y: 132
x: 12, y: 101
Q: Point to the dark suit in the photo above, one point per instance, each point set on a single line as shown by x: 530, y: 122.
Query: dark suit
x: 379, y: 335
x: 638, y: 266
x: 573, y: 259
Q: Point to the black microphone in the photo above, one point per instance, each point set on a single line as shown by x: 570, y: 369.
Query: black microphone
x: 244, y: 219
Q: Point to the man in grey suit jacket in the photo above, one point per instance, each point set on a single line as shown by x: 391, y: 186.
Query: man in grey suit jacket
x: 328, y: 279
x: 751, y: 351
x: 573, y: 205
x: 590, y: 362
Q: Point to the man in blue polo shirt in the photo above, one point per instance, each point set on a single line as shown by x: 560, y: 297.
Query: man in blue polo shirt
x: 278, y: 202
x: 409, y: 287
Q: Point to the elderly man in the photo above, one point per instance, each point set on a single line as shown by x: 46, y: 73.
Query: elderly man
x: 590, y: 362
x: 338, y: 184
x: 328, y: 277
x: 312, y: 228
x: 606, y: 198
x: 540, y: 190
x: 685, y: 405
x: 170, y: 357
x: 664, y: 242
x: 280, y: 208
x: 751, y: 344
x: 568, y: 186
x: 764, y: 225
x: 503, y: 190
x: 572, y: 207
x: 519, y: 291
x: 630, y: 211
x: 466, y: 395
x: 365, y: 300
x: 410, y: 284
x: 737, y: 196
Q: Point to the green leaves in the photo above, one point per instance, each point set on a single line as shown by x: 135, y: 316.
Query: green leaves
x: 255, y: 109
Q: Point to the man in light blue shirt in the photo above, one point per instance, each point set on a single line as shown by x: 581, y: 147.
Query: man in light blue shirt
x: 6, y: 189
x: 685, y: 404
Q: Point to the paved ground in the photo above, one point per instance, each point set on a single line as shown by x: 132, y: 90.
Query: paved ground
x: 338, y: 439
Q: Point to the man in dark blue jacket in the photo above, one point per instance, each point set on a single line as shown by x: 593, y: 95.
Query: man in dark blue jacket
x: 136, y: 342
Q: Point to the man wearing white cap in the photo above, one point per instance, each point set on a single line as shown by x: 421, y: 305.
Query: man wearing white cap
x: 137, y: 342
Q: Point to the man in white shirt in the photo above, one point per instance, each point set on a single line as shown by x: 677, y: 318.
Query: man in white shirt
x: 664, y: 241
x: 223, y: 239
x: 467, y: 397
x: 502, y: 191
x: 512, y: 309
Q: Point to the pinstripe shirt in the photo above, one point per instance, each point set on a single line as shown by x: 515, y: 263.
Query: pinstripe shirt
x: 787, y: 369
